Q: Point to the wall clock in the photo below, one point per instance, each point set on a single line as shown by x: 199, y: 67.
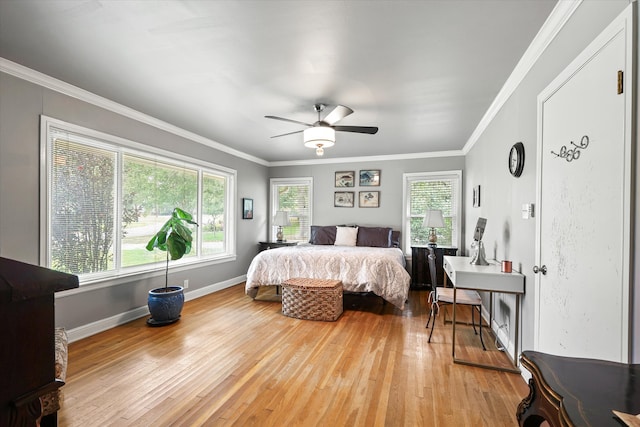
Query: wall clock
x: 516, y: 159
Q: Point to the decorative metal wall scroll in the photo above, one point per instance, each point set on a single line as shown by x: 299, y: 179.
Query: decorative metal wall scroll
x: 571, y: 154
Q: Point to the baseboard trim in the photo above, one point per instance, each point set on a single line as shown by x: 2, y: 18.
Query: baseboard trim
x: 102, y: 325
x: 504, y: 338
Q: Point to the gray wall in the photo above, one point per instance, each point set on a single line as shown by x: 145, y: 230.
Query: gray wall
x: 507, y: 235
x: 21, y: 104
x: 389, y: 213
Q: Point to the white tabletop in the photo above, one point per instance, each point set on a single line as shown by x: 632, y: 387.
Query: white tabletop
x: 463, y: 275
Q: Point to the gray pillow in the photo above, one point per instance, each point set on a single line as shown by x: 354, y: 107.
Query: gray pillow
x: 395, y: 239
x: 323, y: 235
x: 377, y: 237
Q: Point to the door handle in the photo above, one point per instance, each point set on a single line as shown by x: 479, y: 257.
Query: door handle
x: 542, y: 269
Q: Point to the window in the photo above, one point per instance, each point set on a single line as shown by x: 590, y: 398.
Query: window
x: 293, y: 195
x: 431, y: 190
x: 106, y: 197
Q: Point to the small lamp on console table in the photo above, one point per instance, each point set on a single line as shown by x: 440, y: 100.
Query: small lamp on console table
x: 433, y: 219
x: 281, y: 220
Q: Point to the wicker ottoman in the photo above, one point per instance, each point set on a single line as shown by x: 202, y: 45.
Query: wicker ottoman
x: 312, y: 299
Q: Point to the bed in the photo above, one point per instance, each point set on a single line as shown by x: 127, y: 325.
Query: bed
x: 368, y: 259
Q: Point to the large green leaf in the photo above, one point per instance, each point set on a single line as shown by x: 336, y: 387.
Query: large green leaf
x: 183, y: 232
x: 158, y: 241
x: 186, y: 216
x: 174, y: 236
x: 176, y: 246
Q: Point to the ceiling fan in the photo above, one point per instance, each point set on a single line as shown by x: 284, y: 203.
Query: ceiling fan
x: 322, y: 133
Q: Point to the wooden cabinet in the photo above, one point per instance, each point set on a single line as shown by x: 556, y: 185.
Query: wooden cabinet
x: 420, y: 274
x: 271, y: 245
x: 27, y: 353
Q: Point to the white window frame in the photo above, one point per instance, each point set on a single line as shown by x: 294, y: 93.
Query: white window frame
x: 274, y: 183
x: 407, y: 179
x: 124, y: 146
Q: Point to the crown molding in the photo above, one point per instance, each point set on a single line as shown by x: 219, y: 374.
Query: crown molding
x: 559, y: 16
x: 361, y: 159
x: 54, y: 84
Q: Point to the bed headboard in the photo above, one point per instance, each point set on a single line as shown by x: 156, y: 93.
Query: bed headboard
x: 384, y: 237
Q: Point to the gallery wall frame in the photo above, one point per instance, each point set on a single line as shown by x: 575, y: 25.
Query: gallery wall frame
x: 345, y: 179
x: 369, y: 199
x: 369, y: 177
x: 343, y: 199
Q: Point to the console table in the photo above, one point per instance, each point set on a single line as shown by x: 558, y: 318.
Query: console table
x: 487, y: 278
x: 568, y: 391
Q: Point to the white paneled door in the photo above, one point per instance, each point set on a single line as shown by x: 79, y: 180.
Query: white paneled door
x: 583, y: 226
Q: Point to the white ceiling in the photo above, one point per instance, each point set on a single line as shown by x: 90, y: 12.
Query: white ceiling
x: 424, y: 72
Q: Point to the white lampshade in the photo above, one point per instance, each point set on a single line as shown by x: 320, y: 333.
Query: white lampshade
x: 319, y: 136
x: 281, y: 219
x: 433, y: 218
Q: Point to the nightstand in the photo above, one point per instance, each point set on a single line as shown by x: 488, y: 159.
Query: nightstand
x: 272, y: 245
x: 420, y: 275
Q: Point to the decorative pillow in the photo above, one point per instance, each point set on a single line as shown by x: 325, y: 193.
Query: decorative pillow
x: 323, y: 234
x: 377, y: 237
x: 346, y: 236
x: 395, y: 239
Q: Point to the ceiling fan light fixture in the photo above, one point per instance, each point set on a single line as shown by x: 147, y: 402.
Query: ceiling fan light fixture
x: 319, y: 136
x: 319, y: 150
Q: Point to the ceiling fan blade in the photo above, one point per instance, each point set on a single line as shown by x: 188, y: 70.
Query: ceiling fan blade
x: 357, y: 129
x: 337, y: 114
x: 285, y: 134
x: 288, y: 120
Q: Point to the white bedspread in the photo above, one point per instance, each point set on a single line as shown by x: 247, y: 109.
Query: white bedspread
x: 361, y: 269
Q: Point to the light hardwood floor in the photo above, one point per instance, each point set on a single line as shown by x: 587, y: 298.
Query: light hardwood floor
x: 231, y: 360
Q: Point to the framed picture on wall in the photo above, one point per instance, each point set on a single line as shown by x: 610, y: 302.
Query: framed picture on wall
x: 369, y: 199
x: 247, y: 208
x: 343, y: 199
x: 476, y: 196
x: 369, y: 177
x: 345, y: 178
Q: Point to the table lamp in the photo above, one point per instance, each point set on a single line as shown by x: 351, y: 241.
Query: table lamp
x: 281, y: 220
x: 433, y: 219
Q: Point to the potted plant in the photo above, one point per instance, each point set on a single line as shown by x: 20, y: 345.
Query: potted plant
x: 174, y: 237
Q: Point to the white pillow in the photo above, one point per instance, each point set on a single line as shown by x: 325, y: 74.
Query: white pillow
x: 346, y: 236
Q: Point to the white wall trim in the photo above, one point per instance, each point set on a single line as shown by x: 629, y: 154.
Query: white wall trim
x: 360, y: 159
x: 102, y: 325
x: 54, y: 84
x: 549, y: 30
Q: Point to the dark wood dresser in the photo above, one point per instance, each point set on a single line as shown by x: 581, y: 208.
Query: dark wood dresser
x: 568, y: 391
x: 263, y: 246
x: 420, y: 275
x: 27, y: 353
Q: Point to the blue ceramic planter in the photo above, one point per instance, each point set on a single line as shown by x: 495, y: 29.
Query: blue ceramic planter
x: 165, y: 307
